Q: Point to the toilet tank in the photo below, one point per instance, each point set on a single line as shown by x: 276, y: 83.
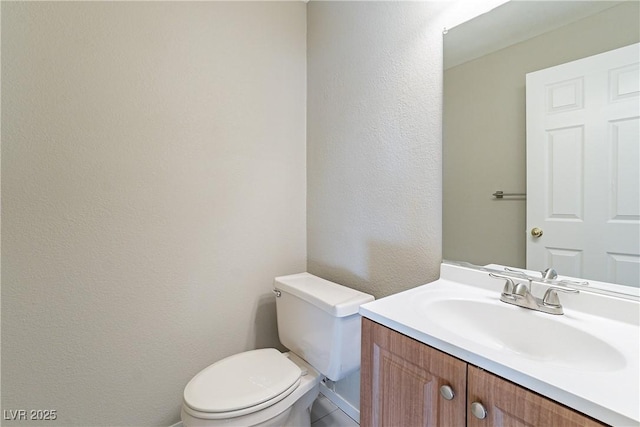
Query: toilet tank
x: 318, y: 320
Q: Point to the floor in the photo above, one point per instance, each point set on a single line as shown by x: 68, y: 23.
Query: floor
x: 325, y: 414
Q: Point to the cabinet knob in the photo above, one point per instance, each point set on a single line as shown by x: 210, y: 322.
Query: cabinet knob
x: 447, y: 392
x: 478, y: 410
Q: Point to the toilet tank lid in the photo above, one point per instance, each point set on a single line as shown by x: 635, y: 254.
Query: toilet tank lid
x: 331, y: 297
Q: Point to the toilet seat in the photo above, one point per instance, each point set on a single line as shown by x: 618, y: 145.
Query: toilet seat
x: 241, y: 384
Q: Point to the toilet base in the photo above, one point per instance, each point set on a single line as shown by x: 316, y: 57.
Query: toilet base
x: 292, y: 411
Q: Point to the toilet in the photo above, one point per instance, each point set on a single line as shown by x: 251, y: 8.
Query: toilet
x: 318, y: 322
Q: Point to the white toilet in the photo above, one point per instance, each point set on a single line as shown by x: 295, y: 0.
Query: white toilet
x: 319, y: 322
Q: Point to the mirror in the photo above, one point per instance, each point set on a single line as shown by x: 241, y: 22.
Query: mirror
x: 484, y: 125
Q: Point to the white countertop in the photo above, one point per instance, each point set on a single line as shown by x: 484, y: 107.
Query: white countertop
x: 609, y: 392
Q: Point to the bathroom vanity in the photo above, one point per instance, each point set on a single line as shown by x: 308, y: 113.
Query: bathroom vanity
x: 417, y: 385
x: 450, y: 353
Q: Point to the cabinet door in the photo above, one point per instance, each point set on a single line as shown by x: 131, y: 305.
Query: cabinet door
x: 401, y: 380
x: 508, y: 404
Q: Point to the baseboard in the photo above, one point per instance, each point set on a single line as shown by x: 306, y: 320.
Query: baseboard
x: 340, y: 402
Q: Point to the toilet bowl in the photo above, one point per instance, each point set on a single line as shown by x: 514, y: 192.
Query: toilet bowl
x: 276, y: 407
x: 319, y: 322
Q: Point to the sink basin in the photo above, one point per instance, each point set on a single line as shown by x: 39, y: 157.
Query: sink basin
x: 535, y: 336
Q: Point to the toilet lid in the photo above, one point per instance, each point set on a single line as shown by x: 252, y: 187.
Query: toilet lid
x: 241, y: 381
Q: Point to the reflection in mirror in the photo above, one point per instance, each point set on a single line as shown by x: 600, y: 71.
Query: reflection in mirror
x: 538, y: 277
x: 484, y: 149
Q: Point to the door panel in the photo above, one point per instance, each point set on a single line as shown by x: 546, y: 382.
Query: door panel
x: 401, y: 380
x: 508, y: 404
x: 583, y: 167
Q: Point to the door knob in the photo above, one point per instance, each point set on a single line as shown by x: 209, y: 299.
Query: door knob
x: 536, y: 232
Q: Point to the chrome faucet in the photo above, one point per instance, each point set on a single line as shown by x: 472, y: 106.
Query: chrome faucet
x: 520, y: 294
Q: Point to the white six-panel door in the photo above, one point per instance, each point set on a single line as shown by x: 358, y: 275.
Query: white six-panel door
x: 583, y: 167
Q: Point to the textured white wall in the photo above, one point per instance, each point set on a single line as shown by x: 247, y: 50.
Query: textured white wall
x: 374, y: 143
x: 153, y: 184
x: 374, y: 146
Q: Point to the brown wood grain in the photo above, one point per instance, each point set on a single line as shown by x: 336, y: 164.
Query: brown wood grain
x: 509, y: 404
x: 401, y: 379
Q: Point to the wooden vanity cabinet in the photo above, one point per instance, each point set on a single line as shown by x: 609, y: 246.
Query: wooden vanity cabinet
x: 401, y: 380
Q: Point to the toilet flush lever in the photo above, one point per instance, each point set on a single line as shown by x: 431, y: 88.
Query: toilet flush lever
x: 278, y: 293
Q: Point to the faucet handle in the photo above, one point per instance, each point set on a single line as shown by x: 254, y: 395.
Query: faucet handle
x: 508, y: 287
x: 549, y: 274
x: 521, y: 289
x: 550, y: 297
x: 509, y: 284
